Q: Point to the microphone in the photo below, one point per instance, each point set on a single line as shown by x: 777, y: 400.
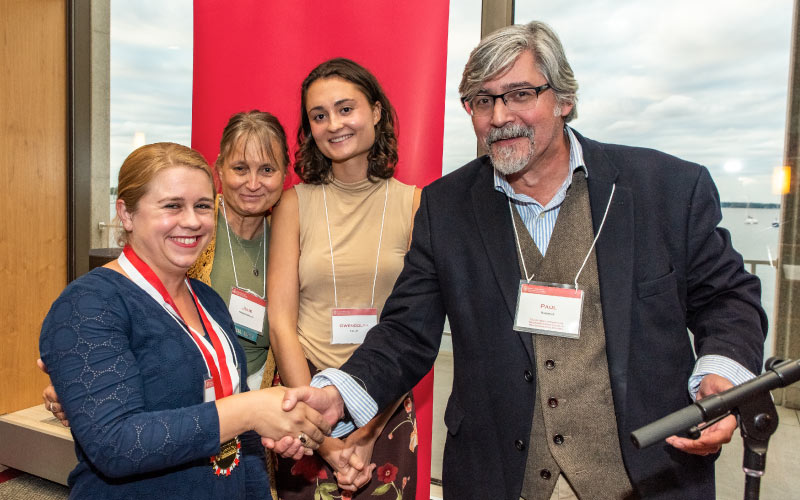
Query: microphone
x: 779, y: 373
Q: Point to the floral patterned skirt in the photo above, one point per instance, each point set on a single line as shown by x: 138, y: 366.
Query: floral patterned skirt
x: 394, y: 454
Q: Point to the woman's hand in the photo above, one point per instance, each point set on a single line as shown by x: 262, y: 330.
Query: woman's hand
x: 346, y: 466
x: 287, y: 447
x: 358, y: 450
x: 261, y: 411
x: 269, y: 419
x: 50, y: 398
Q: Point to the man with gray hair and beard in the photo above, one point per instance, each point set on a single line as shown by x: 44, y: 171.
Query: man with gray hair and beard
x: 570, y: 271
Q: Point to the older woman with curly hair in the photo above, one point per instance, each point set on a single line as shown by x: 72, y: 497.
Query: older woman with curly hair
x: 338, y: 245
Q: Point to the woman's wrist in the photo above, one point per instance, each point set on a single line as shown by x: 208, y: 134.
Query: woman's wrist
x: 371, y: 431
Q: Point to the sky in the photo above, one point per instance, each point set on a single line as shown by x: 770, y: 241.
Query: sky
x: 705, y: 81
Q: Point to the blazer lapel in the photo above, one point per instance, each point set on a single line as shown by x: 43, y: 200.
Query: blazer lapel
x: 614, y: 261
x: 493, y: 221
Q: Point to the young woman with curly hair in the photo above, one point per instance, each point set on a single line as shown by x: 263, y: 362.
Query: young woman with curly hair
x: 338, y: 245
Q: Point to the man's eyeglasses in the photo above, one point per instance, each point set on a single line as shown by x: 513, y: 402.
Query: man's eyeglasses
x: 515, y: 100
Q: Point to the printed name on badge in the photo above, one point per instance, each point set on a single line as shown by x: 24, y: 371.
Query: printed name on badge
x: 350, y: 326
x: 247, y: 310
x: 549, y: 309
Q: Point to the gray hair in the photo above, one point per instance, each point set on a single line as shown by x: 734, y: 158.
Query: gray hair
x: 498, y: 51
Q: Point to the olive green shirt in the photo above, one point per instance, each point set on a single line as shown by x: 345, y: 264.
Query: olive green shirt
x: 247, y: 254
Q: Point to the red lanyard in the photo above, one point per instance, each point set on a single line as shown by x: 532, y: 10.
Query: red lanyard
x: 219, y: 374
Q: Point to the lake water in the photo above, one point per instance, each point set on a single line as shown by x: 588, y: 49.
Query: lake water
x: 752, y: 231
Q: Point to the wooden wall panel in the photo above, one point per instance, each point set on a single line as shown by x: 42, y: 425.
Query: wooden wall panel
x: 33, y: 205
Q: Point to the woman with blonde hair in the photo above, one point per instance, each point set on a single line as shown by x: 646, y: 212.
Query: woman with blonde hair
x: 145, y: 360
x: 251, y: 167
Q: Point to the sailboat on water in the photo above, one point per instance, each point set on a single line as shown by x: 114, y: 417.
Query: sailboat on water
x: 749, y: 219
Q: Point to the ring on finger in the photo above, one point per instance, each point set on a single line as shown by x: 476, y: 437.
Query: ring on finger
x: 51, y: 407
x: 302, y: 438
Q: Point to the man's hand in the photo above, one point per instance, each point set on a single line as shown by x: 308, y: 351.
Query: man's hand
x: 50, y: 398
x: 712, y: 439
x: 270, y: 421
x: 327, y: 401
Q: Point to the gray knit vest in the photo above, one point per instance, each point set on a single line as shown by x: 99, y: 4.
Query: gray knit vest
x: 574, y: 429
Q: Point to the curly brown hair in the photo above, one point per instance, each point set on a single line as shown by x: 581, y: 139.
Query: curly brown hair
x: 315, y: 168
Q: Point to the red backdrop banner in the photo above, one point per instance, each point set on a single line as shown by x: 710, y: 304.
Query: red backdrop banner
x: 254, y: 54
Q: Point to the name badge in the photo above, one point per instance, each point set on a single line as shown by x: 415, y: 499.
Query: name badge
x: 350, y: 326
x: 247, y: 310
x: 549, y: 309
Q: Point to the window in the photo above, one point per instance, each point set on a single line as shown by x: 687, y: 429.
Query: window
x: 150, y: 83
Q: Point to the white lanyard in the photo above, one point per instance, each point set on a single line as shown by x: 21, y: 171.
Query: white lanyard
x: 528, y: 277
x: 230, y: 353
x: 233, y: 260
x: 330, y: 243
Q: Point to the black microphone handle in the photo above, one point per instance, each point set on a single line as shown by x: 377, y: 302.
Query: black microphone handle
x: 662, y: 428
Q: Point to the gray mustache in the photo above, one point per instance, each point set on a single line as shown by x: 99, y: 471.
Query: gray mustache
x: 509, y: 131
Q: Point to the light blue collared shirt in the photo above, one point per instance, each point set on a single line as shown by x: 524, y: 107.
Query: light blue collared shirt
x: 540, y: 222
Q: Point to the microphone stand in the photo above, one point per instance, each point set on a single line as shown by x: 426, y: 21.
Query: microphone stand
x: 753, y: 405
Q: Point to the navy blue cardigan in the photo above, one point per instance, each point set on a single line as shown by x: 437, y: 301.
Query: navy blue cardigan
x: 131, y: 382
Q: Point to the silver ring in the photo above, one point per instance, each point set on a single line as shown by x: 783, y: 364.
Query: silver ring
x: 302, y: 438
x: 51, y: 407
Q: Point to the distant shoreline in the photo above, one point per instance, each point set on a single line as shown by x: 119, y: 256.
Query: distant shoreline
x: 743, y: 204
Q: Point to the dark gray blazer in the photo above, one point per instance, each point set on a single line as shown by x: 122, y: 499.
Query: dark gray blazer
x: 664, y: 266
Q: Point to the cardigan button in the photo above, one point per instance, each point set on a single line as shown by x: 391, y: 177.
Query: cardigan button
x: 549, y: 364
x: 519, y: 444
x: 545, y: 474
x: 552, y: 402
x: 558, y: 439
x: 528, y: 376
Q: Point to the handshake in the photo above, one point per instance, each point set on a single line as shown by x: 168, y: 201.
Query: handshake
x: 291, y: 422
x: 312, y: 413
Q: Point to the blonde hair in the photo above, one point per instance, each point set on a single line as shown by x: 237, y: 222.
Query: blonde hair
x: 262, y: 126
x: 146, y: 162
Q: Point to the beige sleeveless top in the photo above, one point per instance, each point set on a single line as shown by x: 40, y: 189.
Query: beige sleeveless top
x: 355, y: 212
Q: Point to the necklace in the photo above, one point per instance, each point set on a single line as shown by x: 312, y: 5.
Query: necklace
x: 377, y: 256
x: 253, y: 263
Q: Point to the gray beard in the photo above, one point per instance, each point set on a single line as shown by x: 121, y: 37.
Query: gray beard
x: 505, y: 159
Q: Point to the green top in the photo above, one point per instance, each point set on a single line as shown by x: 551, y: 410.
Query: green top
x: 246, y: 253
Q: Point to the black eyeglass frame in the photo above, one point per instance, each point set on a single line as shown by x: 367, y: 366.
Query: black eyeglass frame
x: 538, y: 90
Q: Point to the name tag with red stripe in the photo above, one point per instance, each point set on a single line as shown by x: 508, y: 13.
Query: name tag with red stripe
x: 549, y: 309
x: 350, y: 326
